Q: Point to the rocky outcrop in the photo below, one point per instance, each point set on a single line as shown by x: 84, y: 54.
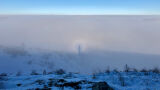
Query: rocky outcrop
x: 101, y: 86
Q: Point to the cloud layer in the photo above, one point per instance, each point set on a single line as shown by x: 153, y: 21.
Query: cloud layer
x: 138, y: 34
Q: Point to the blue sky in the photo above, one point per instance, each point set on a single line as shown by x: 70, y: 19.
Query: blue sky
x: 101, y: 7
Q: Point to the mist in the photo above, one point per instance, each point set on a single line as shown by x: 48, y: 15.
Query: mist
x: 104, y: 40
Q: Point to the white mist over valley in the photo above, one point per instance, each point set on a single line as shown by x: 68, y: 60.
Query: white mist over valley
x: 78, y: 43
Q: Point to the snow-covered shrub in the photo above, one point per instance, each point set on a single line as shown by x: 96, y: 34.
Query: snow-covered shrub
x: 135, y: 70
x: 34, y: 72
x: 51, y: 82
x: 69, y: 75
x: 107, y: 70
x: 60, y: 72
x: 116, y: 71
x: 145, y: 71
x: 94, y: 76
x: 40, y: 82
x: 19, y: 73
x: 52, y: 72
x: 126, y: 68
x: 156, y: 70
x: 45, y: 87
x: 44, y: 72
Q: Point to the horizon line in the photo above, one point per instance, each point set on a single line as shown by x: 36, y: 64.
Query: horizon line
x: 86, y: 14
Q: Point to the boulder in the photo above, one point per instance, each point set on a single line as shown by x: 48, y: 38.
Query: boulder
x: 101, y: 86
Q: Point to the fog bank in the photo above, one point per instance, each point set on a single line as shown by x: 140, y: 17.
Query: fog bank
x: 138, y: 34
x: 81, y: 43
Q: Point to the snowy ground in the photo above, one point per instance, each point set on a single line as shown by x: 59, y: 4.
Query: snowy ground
x: 19, y: 59
x: 116, y: 80
x: 18, y: 63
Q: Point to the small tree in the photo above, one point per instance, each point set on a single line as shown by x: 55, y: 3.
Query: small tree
x: 108, y: 70
x: 126, y: 68
x: 44, y: 72
x: 115, y: 70
x: 94, y: 76
x: 135, y: 70
x: 156, y: 70
x: 145, y: 71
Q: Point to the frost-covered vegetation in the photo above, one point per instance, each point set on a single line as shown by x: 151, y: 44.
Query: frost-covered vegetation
x: 22, y: 69
x: 24, y: 60
x: 59, y: 80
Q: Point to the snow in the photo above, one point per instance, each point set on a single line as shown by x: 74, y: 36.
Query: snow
x: 132, y: 81
x: 12, y: 60
x: 79, y: 69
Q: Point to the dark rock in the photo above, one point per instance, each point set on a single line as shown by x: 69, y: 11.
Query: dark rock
x: 3, y: 74
x: 46, y: 88
x: 61, y: 80
x: 40, y: 82
x: 50, y: 83
x: 101, y: 86
x: 75, y: 85
x: 19, y: 84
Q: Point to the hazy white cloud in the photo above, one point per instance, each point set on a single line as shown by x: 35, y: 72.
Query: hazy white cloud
x: 115, y: 33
